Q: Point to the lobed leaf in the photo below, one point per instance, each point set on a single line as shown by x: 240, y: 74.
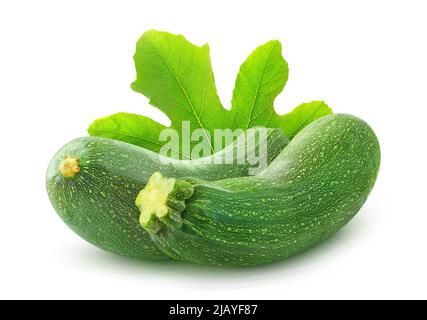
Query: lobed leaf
x: 177, y: 77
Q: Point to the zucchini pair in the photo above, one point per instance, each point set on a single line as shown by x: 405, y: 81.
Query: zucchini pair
x: 314, y: 186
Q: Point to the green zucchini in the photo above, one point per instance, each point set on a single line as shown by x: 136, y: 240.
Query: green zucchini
x: 312, y: 189
x: 92, y: 183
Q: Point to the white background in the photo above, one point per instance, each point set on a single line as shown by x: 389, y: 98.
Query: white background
x: 64, y: 64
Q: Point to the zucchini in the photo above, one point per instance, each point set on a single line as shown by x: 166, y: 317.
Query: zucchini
x: 312, y: 189
x: 92, y: 183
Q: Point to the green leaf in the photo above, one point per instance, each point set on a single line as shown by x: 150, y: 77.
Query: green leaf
x: 132, y: 128
x: 301, y: 116
x: 177, y: 77
x: 261, y: 78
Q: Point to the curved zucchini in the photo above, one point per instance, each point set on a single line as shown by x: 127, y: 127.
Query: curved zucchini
x: 313, y: 188
x: 92, y: 183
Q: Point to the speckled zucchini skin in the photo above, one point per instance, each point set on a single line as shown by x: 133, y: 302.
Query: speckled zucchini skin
x: 312, y: 189
x: 98, y: 202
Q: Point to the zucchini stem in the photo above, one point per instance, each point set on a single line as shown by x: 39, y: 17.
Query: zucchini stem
x: 162, y: 201
x: 69, y: 167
